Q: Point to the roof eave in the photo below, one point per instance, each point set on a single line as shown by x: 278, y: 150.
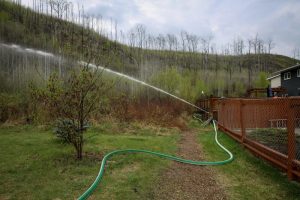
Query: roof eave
x: 272, y: 77
x: 287, y: 69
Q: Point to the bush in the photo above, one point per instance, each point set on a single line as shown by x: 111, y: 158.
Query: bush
x: 13, y: 107
x: 67, y: 131
x: 71, y: 102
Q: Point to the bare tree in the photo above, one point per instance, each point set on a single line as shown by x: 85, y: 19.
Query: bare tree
x: 296, y: 53
x: 132, y: 38
x: 271, y: 45
x: 183, y: 40
x: 59, y: 7
x: 250, y: 43
x: 255, y: 43
x: 194, y: 41
x: 161, y: 42
x: 141, y: 35
x: 171, y: 39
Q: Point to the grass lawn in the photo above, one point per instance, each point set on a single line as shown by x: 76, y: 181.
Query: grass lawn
x: 35, y: 165
x: 247, y: 177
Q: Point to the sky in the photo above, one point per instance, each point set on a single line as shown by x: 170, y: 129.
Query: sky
x: 225, y: 20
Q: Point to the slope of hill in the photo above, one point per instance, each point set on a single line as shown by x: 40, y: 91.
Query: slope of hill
x: 218, y: 74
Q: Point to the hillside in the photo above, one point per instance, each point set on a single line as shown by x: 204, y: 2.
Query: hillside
x: 218, y: 74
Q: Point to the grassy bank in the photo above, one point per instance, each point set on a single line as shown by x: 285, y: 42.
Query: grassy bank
x: 247, y: 177
x: 35, y: 165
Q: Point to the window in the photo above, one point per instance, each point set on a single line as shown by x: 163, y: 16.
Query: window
x: 298, y: 72
x: 287, y: 76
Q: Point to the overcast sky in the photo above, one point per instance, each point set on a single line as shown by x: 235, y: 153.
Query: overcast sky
x: 224, y: 19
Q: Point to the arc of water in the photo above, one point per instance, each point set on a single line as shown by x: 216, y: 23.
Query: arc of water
x: 27, y: 50
x: 47, y: 54
x: 141, y: 82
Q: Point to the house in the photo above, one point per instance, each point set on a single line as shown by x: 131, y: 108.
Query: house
x: 288, y: 78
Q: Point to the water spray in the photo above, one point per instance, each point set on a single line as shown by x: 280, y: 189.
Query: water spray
x: 27, y: 50
x: 141, y: 82
x: 99, y: 177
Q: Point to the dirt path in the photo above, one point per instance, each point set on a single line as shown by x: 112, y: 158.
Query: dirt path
x: 182, y: 181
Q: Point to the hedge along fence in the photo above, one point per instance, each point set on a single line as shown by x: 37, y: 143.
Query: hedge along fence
x: 270, y: 128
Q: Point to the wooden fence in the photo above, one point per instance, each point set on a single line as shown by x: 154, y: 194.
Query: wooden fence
x: 270, y: 128
x: 210, y: 105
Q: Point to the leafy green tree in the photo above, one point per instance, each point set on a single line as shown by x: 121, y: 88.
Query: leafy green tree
x: 199, y: 88
x: 239, y: 89
x: 186, y: 89
x: 71, y: 103
x: 261, y: 81
x: 4, y: 17
x: 168, y: 80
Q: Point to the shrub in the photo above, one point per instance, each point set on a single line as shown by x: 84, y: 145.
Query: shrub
x: 67, y: 131
x: 71, y: 103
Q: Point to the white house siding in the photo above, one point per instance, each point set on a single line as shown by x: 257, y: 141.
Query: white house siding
x: 276, y: 82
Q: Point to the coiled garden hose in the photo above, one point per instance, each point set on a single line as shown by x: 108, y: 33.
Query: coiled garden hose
x: 90, y: 190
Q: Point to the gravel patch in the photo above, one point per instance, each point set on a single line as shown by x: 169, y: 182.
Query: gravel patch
x: 183, y: 181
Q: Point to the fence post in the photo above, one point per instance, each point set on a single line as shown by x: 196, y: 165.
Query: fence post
x: 242, y: 120
x: 291, y: 138
x: 211, y: 105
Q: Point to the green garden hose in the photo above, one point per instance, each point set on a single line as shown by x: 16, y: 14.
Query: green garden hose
x: 91, y: 189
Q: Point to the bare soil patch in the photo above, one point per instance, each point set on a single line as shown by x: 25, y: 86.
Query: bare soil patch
x: 183, y: 181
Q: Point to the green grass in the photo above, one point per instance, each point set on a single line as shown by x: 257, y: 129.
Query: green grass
x: 35, y: 165
x: 247, y: 177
